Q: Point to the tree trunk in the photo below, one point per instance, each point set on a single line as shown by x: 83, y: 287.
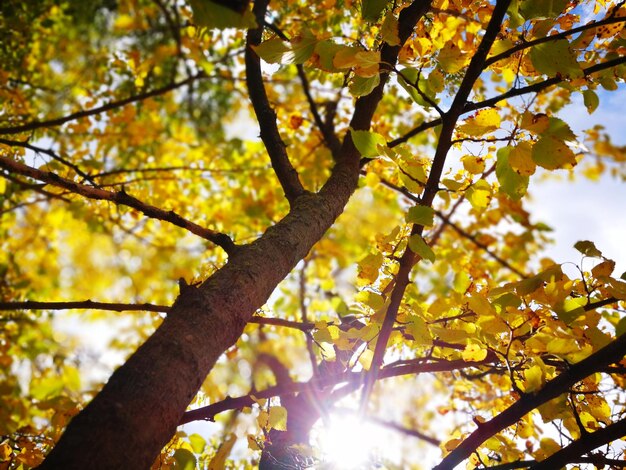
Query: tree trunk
x: 137, y: 412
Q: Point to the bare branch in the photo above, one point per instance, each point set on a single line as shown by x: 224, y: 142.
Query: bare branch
x: 120, y: 198
x: 83, y: 304
x: 266, y: 116
x: 33, y: 125
x: 302, y: 326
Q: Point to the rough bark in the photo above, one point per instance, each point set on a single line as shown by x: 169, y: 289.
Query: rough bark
x: 136, y: 413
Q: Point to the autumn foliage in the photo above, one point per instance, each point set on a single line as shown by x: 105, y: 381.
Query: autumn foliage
x: 276, y: 216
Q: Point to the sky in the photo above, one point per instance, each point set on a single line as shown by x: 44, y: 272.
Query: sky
x: 586, y: 210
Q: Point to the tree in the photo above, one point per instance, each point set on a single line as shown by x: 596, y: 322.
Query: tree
x: 386, y: 197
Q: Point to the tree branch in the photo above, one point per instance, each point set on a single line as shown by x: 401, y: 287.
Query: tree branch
x: 266, y: 116
x: 82, y: 304
x: 33, y: 125
x: 540, y: 86
x: 209, y: 412
x: 611, y: 353
x: 534, y: 88
x: 430, y: 190
x: 50, y: 153
x: 120, y: 198
x: 331, y: 139
x: 587, y: 443
x: 527, y: 44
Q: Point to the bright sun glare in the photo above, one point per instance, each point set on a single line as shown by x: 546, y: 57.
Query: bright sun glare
x: 349, y: 443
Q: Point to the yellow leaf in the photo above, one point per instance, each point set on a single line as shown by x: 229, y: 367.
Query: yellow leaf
x: 475, y: 165
x: 5, y: 451
x: 480, y: 305
x: 534, y: 379
x: 484, y: 121
x: 474, y: 353
x: 263, y: 419
x: 252, y: 443
x: 603, y: 269
x: 278, y: 418
x: 218, y: 461
x: 365, y: 359
x: 452, y: 444
x: 549, y: 446
x: 521, y: 159
x: 451, y: 58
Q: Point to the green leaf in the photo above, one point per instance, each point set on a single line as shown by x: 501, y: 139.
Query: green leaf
x: 588, y: 248
x: 324, y: 54
x: 591, y: 100
x: 302, y: 48
x: 559, y: 129
x: 511, y: 182
x: 571, y: 309
x: 554, y: 58
x: 371, y: 9
x: 272, y: 51
x: 198, y: 443
x: 421, y: 215
x: 552, y: 153
x: 185, y: 460
x: 620, y: 328
x: 532, y: 9
x: 515, y: 19
x: 367, y: 142
x: 389, y: 30
x: 212, y: 15
x: 419, y: 246
x: 363, y: 86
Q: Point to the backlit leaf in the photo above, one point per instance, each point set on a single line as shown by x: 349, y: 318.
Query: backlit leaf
x: 389, y: 30
x: 483, y: 122
x: 212, y: 15
x: 419, y: 247
x: 554, y: 58
x: 185, y: 460
x: 421, y: 215
x: 451, y: 58
x: 218, y: 462
x: 532, y: 9
x: 278, y: 418
x: 272, y: 50
x: 552, y: 153
x: 521, y: 160
x: 367, y: 142
x: 474, y: 353
x: 588, y: 248
x: 371, y: 9
x: 591, y: 100
x: 362, y: 86
x: 513, y: 183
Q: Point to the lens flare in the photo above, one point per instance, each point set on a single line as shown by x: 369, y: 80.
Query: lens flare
x: 349, y: 443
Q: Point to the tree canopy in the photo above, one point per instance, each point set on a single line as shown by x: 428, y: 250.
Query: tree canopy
x: 299, y: 224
